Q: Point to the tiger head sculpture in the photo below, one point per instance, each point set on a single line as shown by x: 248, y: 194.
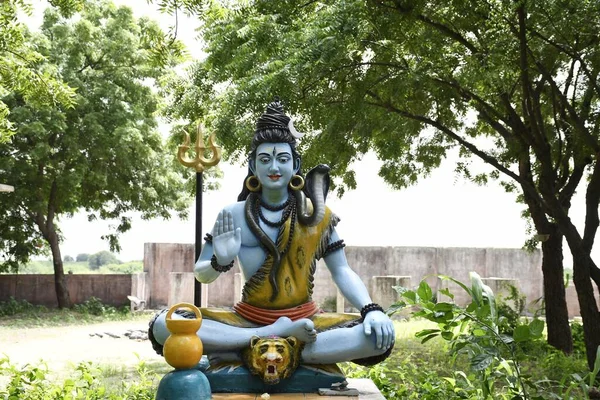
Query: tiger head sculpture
x: 272, y: 358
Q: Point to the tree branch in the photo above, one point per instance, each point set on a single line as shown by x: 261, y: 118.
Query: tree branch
x: 592, y: 200
x: 466, y: 93
x: 577, y: 122
x: 444, y: 29
x: 574, y: 55
x: 568, y: 190
x: 528, y: 111
x: 453, y: 135
x: 51, y: 206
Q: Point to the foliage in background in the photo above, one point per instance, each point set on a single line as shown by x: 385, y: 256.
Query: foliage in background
x: 14, y: 307
x: 33, y: 382
x: 496, y: 357
x: 18, y: 314
x: 46, y: 267
x: 104, y: 155
x: 510, y: 308
x: 101, y: 258
x: 82, y: 257
x: 22, y: 66
x: 512, y: 84
x: 94, y: 306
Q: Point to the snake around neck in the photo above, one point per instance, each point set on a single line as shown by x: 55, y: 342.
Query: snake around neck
x: 317, y: 186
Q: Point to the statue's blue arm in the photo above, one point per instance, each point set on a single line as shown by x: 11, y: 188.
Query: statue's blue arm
x: 347, y: 281
x: 203, y: 271
x: 354, y: 290
x: 226, y: 243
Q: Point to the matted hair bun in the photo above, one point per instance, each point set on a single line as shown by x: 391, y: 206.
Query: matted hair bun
x: 274, y: 118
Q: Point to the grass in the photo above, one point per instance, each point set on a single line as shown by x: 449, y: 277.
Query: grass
x: 82, y: 267
x: 19, y: 314
x: 411, y: 367
x: 52, y: 317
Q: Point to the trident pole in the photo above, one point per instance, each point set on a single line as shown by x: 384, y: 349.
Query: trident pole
x: 200, y: 163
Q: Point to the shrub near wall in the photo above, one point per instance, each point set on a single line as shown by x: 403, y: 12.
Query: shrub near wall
x: 111, y: 289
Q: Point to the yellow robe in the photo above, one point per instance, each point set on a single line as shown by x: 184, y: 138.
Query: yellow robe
x: 295, y: 277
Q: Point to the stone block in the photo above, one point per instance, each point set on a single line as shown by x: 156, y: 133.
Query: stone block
x: 382, y: 289
x: 181, y: 287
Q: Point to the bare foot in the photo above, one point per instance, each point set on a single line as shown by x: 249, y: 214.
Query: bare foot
x: 302, y: 329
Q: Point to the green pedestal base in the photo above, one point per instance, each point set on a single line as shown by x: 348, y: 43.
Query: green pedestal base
x: 187, y: 384
x: 240, y: 380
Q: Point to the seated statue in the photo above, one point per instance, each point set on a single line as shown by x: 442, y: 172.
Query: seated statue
x: 277, y: 230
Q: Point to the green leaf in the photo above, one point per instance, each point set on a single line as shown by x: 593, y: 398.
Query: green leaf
x: 596, y: 369
x: 476, y: 288
x: 536, y: 328
x: 444, y: 307
x: 521, y: 333
x: 411, y: 296
x: 426, y: 332
x: 446, y: 292
x: 428, y: 338
x: 424, y: 291
x: 448, y: 335
x: 459, y: 283
x: 481, y: 361
x: 506, y: 339
x: 479, y: 332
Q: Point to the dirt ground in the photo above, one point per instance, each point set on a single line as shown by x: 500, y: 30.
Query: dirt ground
x: 62, y: 347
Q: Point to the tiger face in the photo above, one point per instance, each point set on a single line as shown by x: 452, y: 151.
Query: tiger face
x: 272, y: 358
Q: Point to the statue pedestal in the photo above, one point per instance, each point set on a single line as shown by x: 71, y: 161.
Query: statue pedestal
x: 239, y: 380
x: 366, y: 389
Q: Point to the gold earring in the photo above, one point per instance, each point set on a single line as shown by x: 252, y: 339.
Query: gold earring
x: 300, y: 183
x: 253, y: 184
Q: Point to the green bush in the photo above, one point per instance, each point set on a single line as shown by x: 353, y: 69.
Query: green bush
x: 578, y: 339
x: 497, y: 360
x: 101, y: 258
x: 82, y: 257
x: 132, y: 267
x: 14, y: 307
x: 510, y: 309
x: 32, y: 382
x: 94, y: 306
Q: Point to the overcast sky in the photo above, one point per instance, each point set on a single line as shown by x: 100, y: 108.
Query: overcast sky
x: 441, y: 211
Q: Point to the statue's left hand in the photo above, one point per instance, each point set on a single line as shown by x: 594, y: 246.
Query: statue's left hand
x: 383, y: 327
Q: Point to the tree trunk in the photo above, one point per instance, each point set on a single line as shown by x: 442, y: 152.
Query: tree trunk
x: 60, y: 282
x: 557, y: 316
x: 582, y: 264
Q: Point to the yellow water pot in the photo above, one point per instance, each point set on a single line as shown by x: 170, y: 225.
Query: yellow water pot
x: 183, y: 349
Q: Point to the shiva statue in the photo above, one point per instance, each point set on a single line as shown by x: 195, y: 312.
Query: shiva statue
x: 277, y: 230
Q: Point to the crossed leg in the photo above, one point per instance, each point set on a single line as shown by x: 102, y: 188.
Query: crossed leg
x: 335, y: 345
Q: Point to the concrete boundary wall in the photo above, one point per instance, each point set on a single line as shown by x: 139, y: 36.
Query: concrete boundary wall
x: 415, y: 262
x: 164, y: 261
x: 38, y: 289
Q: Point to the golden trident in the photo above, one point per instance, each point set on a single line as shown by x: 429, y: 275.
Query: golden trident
x: 200, y: 162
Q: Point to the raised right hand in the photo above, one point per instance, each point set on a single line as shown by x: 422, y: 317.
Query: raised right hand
x: 226, y: 240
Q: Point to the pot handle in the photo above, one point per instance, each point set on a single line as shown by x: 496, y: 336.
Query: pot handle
x: 184, y: 305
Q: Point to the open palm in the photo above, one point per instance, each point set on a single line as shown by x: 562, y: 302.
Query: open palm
x: 226, y: 239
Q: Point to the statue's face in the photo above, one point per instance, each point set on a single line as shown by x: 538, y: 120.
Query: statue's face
x: 274, y: 165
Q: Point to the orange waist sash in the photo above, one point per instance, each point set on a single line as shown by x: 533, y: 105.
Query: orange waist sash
x: 267, y: 317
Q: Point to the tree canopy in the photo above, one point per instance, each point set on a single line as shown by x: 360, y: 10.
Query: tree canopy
x: 512, y: 83
x: 104, y: 154
x: 22, y: 67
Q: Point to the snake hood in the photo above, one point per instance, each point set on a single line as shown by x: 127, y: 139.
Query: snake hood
x: 316, y: 189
